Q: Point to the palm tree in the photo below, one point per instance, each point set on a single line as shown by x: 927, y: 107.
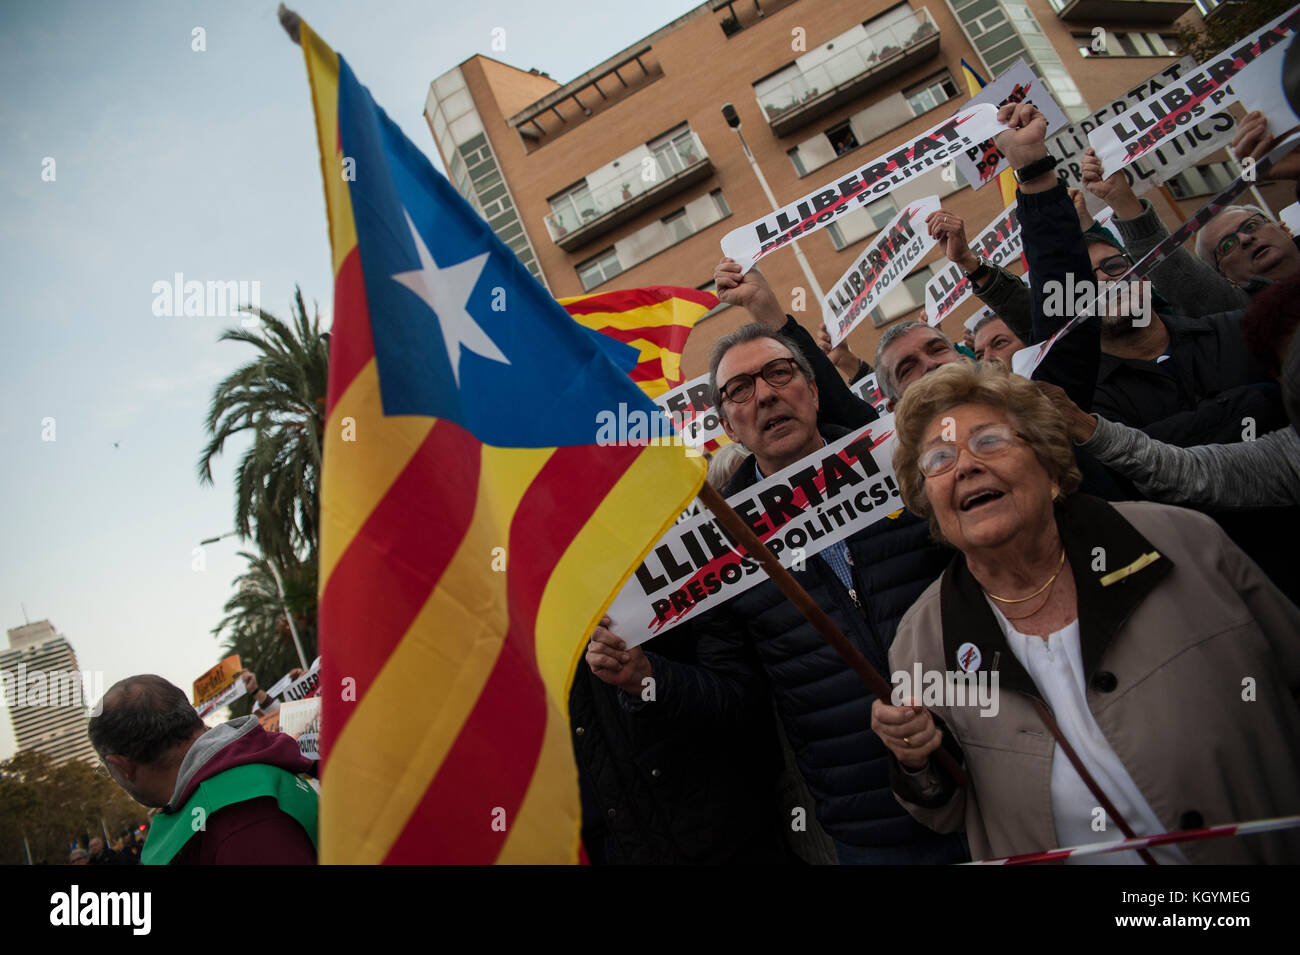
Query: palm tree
x: 255, y: 626
x: 280, y: 398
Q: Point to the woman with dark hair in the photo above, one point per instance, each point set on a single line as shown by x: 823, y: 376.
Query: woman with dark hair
x: 1143, y: 671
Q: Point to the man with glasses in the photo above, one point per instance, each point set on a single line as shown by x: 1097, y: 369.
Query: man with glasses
x: 759, y: 643
x: 1248, y: 248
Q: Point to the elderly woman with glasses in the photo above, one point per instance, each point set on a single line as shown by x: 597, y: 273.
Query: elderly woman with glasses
x: 1098, y: 669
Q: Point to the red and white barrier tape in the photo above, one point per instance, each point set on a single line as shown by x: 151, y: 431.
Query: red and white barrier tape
x: 1146, y: 842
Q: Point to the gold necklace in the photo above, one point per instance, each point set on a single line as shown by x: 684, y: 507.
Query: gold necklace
x: 1031, y: 613
x: 1020, y: 600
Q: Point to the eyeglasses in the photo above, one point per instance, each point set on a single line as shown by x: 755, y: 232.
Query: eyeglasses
x: 778, y: 372
x: 986, y: 443
x: 1248, y: 226
x: 1115, y: 266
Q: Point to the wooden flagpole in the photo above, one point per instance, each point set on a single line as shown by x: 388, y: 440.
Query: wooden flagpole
x: 818, y: 617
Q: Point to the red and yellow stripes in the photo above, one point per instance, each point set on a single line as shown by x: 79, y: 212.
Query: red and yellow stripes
x: 655, y: 320
x: 458, y: 583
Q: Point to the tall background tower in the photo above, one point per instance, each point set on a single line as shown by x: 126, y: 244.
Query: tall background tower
x: 38, y: 652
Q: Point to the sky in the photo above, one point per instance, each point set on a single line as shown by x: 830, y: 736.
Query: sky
x: 129, y: 156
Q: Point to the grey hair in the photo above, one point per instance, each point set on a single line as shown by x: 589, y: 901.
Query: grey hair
x: 744, y: 334
x: 724, y: 462
x: 884, y: 372
x: 1203, y: 250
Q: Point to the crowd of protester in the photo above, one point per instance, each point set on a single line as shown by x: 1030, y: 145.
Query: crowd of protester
x: 1111, y: 537
x: 1148, y: 654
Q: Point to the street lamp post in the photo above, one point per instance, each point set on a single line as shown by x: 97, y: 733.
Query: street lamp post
x: 733, y: 120
x: 279, y: 586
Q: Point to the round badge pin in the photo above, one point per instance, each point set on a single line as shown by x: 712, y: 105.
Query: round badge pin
x: 968, y: 657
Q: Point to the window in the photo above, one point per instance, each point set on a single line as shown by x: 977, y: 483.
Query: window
x: 678, y: 226
x: 720, y: 202
x: 799, y: 167
x: 600, y: 269
x: 931, y: 93
x: 1128, y: 44
x: 1207, y: 180
x: 861, y: 222
x: 905, y: 298
x: 574, y: 207
x: 842, y: 139
x: 675, y: 151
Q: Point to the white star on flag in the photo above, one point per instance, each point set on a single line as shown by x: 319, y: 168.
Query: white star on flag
x: 446, y: 292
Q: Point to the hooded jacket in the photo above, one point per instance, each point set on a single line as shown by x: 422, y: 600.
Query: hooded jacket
x: 253, y: 831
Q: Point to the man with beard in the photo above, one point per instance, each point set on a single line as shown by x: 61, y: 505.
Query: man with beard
x: 1182, y: 380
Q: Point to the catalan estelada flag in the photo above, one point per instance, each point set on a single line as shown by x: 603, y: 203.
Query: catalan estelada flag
x: 471, y: 532
x: 656, y: 321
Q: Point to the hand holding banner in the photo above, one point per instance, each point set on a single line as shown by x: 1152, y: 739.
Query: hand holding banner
x: 817, y: 501
x: 982, y: 162
x: 1137, y: 131
x: 998, y: 243
x: 1026, y: 361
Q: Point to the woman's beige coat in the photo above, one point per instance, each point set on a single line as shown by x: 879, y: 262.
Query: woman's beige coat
x: 1192, y: 668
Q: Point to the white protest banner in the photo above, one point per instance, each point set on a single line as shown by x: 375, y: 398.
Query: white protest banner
x: 696, y: 507
x: 301, y: 720
x: 1171, y: 157
x: 231, y: 693
x: 868, y: 389
x: 982, y: 162
x: 978, y: 317
x: 1260, y: 88
x: 276, y: 688
x: 817, y: 501
x: 998, y: 243
x: 883, y: 264
x: 1104, y: 218
x: 1290, y: 217
x: 306, y: 685
x: 1136, y: 132
x: 869, y: 182
x: 689, y: 407
x: 1085, y: 297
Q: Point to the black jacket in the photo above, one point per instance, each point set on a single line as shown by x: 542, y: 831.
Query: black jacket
x: 660, y: 795
x: 758, y: 643
x: 1201, y: 394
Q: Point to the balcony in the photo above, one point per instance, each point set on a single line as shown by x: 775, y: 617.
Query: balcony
x: 884, y: 53
x: 1125, y: 11
x: 586, y: 213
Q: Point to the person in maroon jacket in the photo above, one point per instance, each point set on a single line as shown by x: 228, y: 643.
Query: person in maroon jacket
x: 231, y: 795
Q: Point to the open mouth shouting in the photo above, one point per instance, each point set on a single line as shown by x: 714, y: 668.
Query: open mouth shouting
x: 973, y: 500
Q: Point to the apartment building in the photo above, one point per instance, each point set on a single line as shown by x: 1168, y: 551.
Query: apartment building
x: 629, y: 176
x: 45, y: 693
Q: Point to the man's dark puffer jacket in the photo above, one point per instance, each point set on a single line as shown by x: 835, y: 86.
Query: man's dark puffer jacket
x: 823, y: 705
